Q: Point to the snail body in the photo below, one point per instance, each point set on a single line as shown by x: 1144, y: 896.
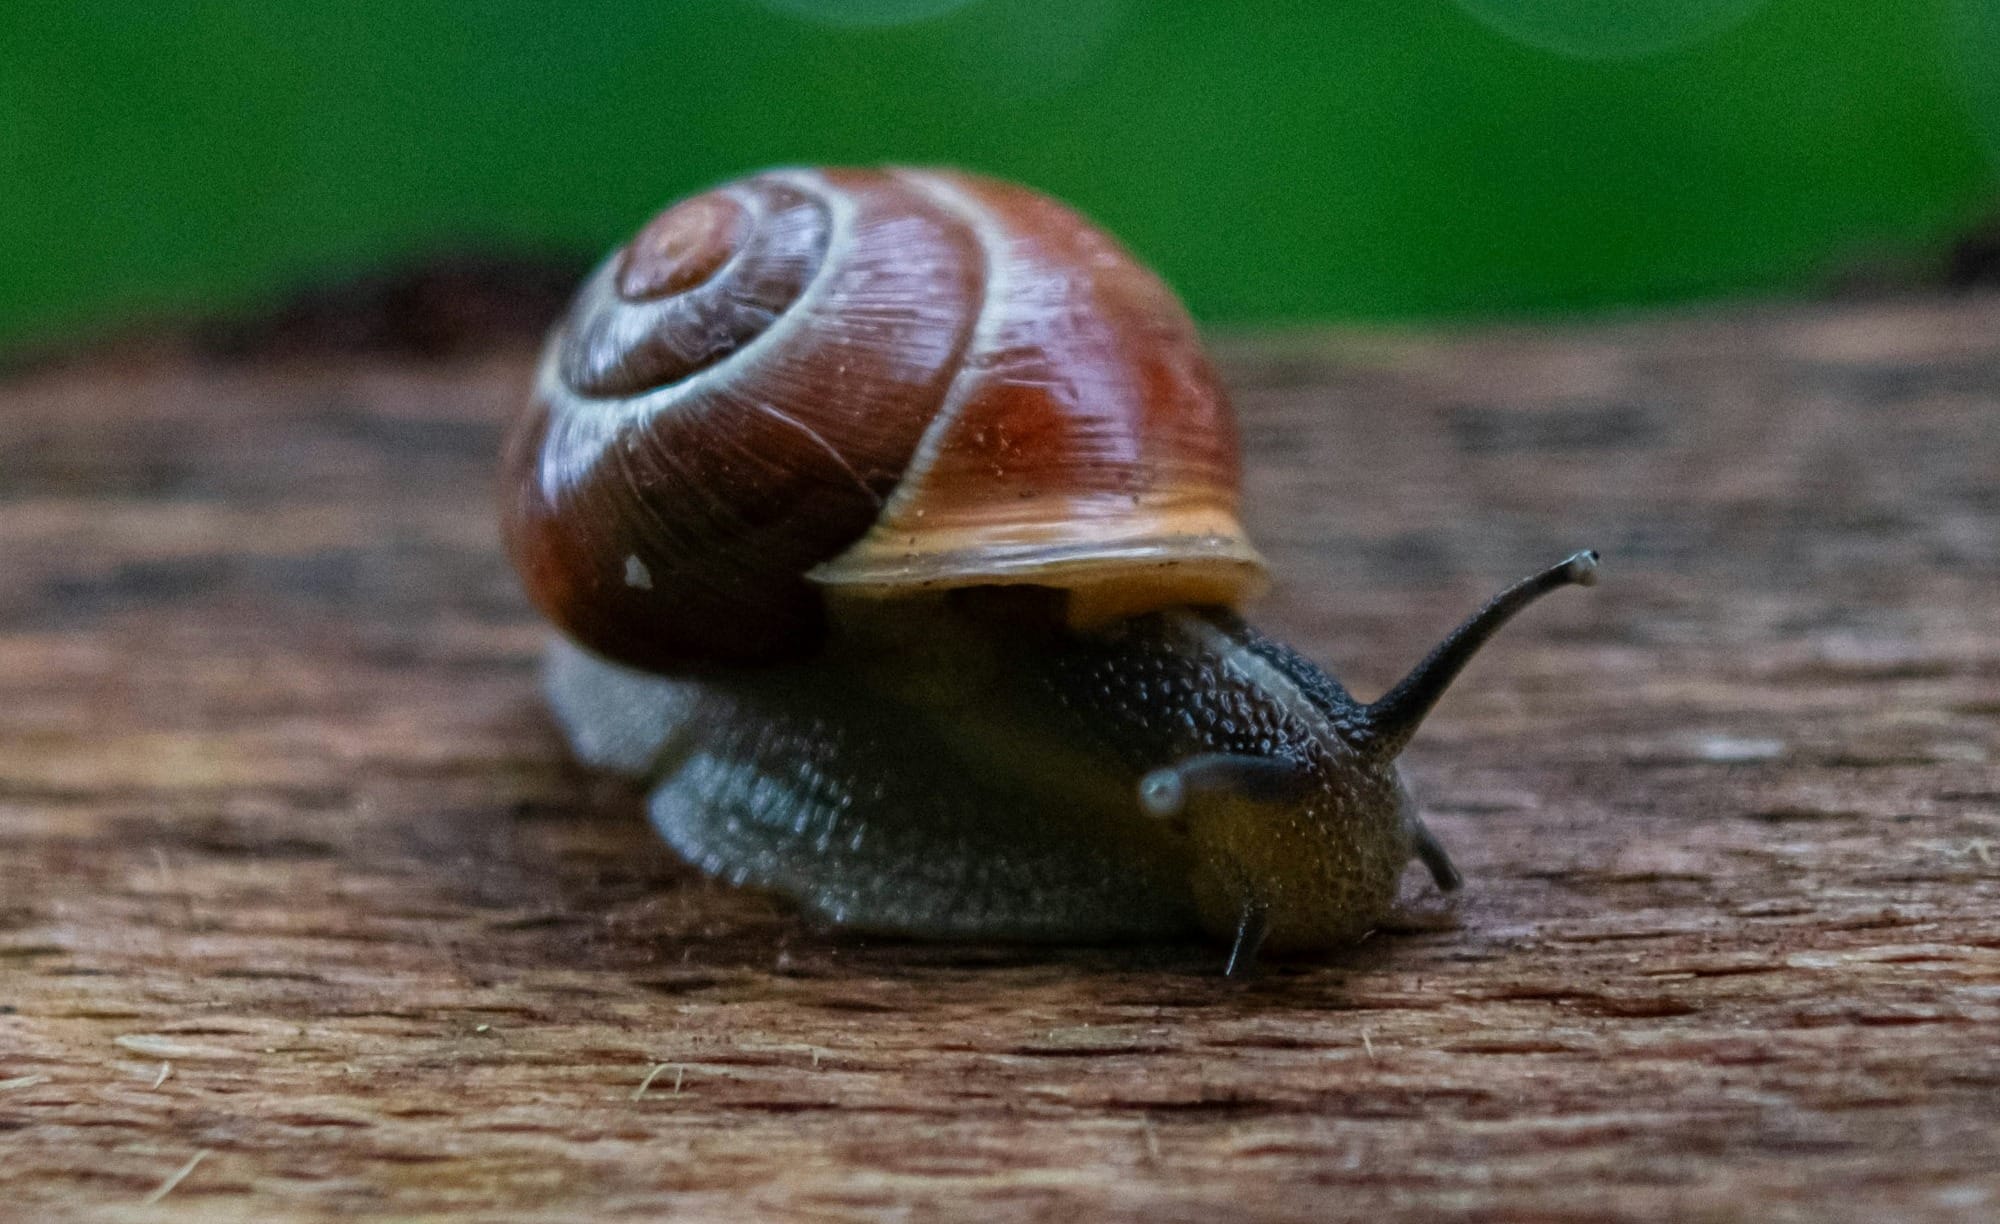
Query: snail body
x: 893, y: 519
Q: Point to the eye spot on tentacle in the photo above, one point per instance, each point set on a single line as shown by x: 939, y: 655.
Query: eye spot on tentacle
x: 1162, y: 795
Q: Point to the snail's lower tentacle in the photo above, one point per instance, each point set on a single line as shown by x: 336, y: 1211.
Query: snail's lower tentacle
x: 1164, y: 792
x: 1251, y: 929
x: 1431, y: 853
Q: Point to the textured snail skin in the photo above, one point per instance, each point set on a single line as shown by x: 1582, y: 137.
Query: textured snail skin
x: 891, y: 519
x: 931, y: 776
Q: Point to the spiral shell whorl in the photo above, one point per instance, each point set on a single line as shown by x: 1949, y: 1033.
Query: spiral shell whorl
x: 701, y: 281
x: 691, y: 454
x: 775, y: 383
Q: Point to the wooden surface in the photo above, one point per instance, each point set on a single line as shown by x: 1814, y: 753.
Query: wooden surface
x: 296, y: 886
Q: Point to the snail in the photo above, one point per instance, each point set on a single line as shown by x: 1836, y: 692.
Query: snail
x: 890, y: 521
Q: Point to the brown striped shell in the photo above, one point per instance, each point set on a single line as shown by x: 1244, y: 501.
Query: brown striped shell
x: 871, y: 381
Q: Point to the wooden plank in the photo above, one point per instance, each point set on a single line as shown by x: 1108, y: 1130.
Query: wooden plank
x: 294, y: 877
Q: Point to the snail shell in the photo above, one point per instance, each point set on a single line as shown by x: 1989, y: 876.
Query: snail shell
x: 870, y: 382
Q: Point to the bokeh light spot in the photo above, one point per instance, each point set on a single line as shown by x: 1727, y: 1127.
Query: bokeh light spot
x: 866, y: 12
x: 1975, y: 36
x: 1610, y: 29
x: 1016, y: 50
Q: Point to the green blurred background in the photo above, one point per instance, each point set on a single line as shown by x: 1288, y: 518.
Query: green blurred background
x: 1276, y: 160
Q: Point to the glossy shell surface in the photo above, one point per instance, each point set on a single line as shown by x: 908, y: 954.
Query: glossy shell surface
x: 870, y: 381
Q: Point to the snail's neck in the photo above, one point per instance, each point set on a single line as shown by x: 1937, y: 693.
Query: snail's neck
x: 969, y: 632
x: 1281, y: 669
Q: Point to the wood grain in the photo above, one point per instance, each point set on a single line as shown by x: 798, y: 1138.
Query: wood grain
x: 294, y: 877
